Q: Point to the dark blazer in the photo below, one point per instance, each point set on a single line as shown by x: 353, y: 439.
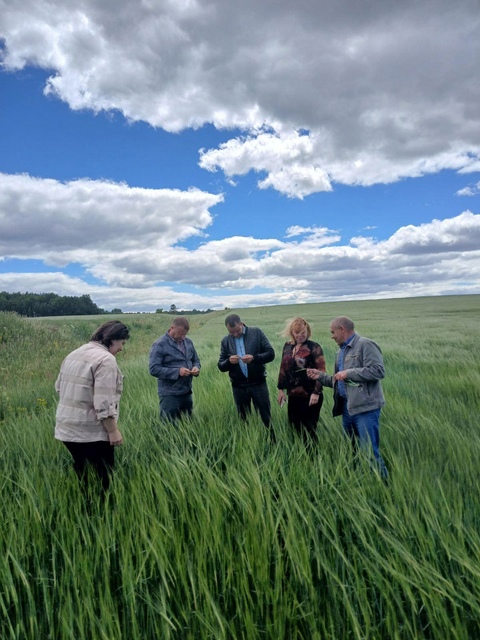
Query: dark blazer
x: 257, y: 345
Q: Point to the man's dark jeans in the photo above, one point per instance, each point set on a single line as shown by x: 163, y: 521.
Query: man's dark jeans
x: 364, y: 432
x: 173, y: 407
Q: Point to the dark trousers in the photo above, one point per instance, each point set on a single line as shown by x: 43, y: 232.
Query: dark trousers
x: 304, y: 418
x: 256, y: 393
x: 100, y: 455
x: 172, y: 407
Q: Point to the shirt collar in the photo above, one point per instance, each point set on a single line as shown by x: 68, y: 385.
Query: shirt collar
x: 347, y: 341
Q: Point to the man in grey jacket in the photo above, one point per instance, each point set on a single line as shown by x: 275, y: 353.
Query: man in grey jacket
x: 244, y: 352
x: 174, y: 361
x: 358, y: 395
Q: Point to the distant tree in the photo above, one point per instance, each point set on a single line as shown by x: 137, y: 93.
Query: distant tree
x: 173, y: 308
x: 159, y: 311
x: 117, y: 311
x: 48, y: 304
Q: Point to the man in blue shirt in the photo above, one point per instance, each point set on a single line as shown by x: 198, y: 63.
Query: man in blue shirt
x: 244, y: 352
x: 174, y: 362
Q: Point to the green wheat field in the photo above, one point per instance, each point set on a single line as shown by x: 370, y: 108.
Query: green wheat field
x: 211, y: 532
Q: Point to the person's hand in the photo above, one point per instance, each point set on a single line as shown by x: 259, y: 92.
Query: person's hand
x: 184, y: 372
x: 341, y: 375
x: 281, y: 398
x: 116, y: 438
x: 195, y: 371
x: 247, y: 359
x: 313, y: 374
x: 313, y: 399
x: 234, y: 359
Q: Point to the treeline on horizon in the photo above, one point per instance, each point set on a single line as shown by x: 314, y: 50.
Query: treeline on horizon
x: 33, y: 305
x: 48, y: 304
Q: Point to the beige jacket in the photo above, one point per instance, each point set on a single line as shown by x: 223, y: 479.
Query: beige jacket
x: 90, y: 385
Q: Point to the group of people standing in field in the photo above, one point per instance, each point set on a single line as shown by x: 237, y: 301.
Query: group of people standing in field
x: 90, y: 385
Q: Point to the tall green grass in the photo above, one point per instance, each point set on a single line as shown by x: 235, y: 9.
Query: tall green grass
x: 211, y: 532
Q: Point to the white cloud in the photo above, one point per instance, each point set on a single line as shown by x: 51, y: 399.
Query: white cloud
x: 135, y: 253
x: 289, y: 161
x: 316, y: 236
x: 82, y: 220
x: 451, y: 236
x: 298, y: 165
x: 469, y: 190
x: 325, y: 92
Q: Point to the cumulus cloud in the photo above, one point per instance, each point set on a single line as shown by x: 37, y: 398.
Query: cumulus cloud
x: 473, y: 190
x: 289, y: 161
x: 316, y: 94
x: 81, y: 220
x: 298, y: 164
x: 324, y: 92
x: 133, y: 266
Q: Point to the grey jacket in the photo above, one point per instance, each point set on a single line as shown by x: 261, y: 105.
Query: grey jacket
x: 166, y: 358
x: 363, y: 362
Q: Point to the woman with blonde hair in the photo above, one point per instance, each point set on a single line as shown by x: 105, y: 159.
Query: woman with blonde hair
x: 305, y: 396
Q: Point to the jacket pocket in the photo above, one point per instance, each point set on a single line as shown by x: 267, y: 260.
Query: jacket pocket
x: 350, y: 360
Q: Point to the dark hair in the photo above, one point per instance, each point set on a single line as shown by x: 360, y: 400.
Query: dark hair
x: 232, y: 320
x: 109, y: 331
x: 181, y: 321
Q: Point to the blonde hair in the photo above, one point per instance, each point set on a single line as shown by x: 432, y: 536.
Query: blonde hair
x: 292, y: 325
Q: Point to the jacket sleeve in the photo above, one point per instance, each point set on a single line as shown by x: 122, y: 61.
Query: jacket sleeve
x: 265, y: 351
x: 106, y: 386
x: 155, y: 365
x: 223, y: 361
x: 319, y: 363
x: 326, y: 380
x: 282, y: 384
x: 196, y: 359
x: 371, y: 365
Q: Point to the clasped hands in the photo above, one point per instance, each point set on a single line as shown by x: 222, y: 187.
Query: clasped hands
x: 247, y: 359
x: 189, y: 372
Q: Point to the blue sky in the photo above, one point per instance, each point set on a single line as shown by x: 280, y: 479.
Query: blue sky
x: 171, y: 153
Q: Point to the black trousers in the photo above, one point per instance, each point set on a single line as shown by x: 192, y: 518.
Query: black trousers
x: 100, y: 455
x: 304, y: 418
x: 258, y: 395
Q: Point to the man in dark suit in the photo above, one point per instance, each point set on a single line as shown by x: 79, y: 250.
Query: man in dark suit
x: 244, y: 352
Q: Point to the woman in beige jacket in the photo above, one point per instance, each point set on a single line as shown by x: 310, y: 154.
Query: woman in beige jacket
x: 90, y: 384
